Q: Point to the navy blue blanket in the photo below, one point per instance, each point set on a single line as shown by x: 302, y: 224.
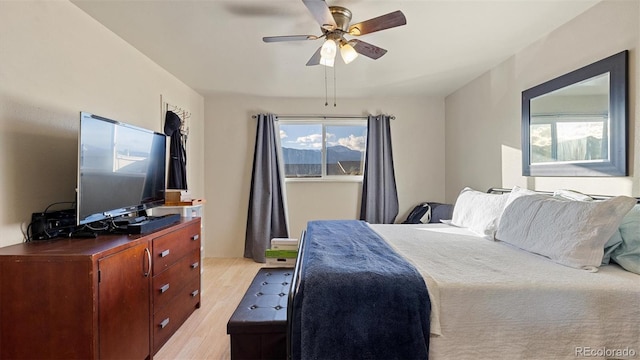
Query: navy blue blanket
x: 358, y: 299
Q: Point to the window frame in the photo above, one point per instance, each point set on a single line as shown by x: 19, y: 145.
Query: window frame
x: 555, y: 119
x: 324, y: 123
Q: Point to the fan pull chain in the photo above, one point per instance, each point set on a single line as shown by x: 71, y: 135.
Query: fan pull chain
x: 334, y: 86
x: 326, y: 97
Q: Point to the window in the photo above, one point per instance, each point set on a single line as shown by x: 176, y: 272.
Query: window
x: 569, y: 138
x: 330, y: 149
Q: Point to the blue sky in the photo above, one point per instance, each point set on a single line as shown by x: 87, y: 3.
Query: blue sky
x: 303, y: 136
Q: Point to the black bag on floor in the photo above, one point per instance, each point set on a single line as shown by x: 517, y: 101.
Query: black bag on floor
x: 421, y: 214
x: 431, y: 212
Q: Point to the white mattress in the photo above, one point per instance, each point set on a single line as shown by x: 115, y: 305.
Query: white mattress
x: 493, y: 301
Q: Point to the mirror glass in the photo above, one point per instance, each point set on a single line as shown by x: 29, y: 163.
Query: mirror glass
x: 571, y: 124
x: 575, y: 125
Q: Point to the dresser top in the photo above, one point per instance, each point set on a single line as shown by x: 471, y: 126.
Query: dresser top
x: 86, y: 247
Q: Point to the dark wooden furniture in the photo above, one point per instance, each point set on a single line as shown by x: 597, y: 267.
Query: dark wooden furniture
x: 96, y: 298
x: 176, y: 280
x: 258, y: 327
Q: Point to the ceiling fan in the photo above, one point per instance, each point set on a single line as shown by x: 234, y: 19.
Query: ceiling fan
x: 334, y: 23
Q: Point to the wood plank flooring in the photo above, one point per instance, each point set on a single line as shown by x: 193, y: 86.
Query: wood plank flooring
x: 204, y: 334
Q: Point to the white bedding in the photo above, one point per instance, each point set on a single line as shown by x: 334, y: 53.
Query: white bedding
x: 493, y: 301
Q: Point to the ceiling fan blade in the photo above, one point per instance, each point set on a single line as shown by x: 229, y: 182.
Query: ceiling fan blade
x: 320, y: 11
x: 269, y: 39
x: 387, y: 21
x: 315, y: 59
x: 367, y: 49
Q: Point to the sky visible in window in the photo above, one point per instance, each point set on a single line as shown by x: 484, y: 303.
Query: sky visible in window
x: 310, y: 136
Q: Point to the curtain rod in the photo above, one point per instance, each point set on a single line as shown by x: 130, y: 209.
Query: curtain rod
x: 321, y: 117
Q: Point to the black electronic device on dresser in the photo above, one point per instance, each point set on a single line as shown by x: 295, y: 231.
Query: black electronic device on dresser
x: 50, y: 224
x: 152, y: 223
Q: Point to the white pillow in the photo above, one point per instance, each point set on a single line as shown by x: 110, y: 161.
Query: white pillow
x: 571, y: 233
x: 572, y: 195
x: 614, y: 241
x: 478, y: 211
x: 563, y: 194
x: 516, y: 192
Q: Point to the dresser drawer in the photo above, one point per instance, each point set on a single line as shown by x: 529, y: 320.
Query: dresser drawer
x: 170, y: 282
x: 169, y: 248
x: 170, y: 317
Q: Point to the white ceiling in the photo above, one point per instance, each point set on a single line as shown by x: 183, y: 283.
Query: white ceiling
x: 216, y: 46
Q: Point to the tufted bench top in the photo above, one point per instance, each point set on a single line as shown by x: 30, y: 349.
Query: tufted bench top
x: 263, y: 309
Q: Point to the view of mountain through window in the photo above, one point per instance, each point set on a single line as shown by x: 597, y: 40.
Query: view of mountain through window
x: 568, y: 138
x: 318, y: 150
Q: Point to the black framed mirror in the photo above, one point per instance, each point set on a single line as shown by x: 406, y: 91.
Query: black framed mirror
x: 576, y: 124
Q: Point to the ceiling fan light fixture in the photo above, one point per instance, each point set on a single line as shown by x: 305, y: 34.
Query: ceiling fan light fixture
x: 348, y: 53
x: 327, y: 62
x: 328, y: 53
x: 335, y: 22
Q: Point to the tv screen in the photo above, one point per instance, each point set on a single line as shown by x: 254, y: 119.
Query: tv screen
x: 121, y: 169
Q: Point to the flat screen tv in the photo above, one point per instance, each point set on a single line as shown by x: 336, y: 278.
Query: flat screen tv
x: 121, y: 169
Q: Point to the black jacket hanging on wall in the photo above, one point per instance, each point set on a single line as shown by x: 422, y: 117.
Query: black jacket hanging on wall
x: 177, y: 152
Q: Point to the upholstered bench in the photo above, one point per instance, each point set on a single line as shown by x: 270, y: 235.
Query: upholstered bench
x: 258, y: 327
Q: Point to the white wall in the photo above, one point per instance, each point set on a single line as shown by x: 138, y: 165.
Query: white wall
x: 483, y: 146
x: 56, y: 61
x: 322, y: 201
x: 418, y: 147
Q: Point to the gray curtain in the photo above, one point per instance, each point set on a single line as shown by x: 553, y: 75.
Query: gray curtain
x: 379, y: 193
x: 266, y: 217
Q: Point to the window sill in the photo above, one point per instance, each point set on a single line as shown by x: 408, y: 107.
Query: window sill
x: 350, y: 179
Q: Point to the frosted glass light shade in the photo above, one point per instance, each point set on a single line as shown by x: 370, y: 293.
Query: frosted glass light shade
x: 328, y: 53
x: 327, y: 62
x: 348, y: 53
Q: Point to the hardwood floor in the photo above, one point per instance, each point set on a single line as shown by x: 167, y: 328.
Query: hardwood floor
x: 204, y: 334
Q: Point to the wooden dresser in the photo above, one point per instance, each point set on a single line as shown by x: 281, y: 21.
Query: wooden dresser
x: 175, y: 281
x: 112, y: 297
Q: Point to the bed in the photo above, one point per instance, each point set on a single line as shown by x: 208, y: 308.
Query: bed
x: 487, y: 299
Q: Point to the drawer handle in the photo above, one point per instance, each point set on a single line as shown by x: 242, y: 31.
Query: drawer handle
x: 195, y: 265
x: 164, y: 323
x: 195, y: 293
x: 165, y: 253
x: 195, y: 237
x: 148, y: 271
x: 164, y: 288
